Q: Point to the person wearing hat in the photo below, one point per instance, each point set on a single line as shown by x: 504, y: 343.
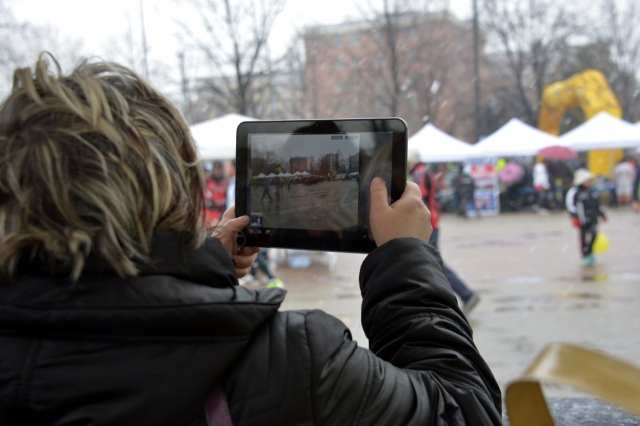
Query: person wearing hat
x: 418, y: 174
x: 583, y: 202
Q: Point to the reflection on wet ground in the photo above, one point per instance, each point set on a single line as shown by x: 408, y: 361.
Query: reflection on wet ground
x: 533, y: 288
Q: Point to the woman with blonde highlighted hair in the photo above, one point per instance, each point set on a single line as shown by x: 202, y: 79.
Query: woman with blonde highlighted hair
x: 117, y: 308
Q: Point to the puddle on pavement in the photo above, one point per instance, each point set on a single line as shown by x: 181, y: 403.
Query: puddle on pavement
x: 522, y: 298
x: 526, y: 280
x: 350, y: 292
x: 515, y: 241
x: 580, y: 306
x: 597, y: 278
x: 581, y: 300
x: 585, y: 275
x: 484, y: 243
x: 333, y: 278
x: 582, y: 295
x: 626, y: 277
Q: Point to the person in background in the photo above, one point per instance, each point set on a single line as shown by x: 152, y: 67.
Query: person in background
x: 419, y: 175
x: 583, y: 203
x: 215, y: 195
x: 465, y: 188
x: 541, y: 184
x: 262, y: 263
x: 230, y: 174
x: 636, y: 186
x: 623, y: 175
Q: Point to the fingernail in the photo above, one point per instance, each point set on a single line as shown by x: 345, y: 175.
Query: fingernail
x: 235, y: 262
x: 245, y: 219
x: 377, y: 180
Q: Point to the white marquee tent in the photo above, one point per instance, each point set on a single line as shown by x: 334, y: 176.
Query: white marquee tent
x: 603, y: 131
x: 216, y: 138
x: 514, y: 139
x: 435, y: 146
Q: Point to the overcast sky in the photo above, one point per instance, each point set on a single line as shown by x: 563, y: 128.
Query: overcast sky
x: 302, y: 145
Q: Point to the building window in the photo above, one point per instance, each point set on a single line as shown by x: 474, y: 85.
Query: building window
x: 354, y: 39
x: 337, y: 41
x: 338, y: 64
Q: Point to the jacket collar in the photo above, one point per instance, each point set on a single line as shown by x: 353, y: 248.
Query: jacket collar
x: 184, y: 293
x: 170, y: 254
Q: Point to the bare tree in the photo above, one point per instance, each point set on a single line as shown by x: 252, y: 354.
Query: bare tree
x: 409, y: 59
x: 621, y: 26
x: 384, y: 70
x: 292, y: 67
x: 532, y: 35
x: 234, y: 50
x: 127, y: 50
x: 21, y: 42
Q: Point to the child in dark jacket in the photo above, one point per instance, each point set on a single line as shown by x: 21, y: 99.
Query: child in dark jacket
x: 585, y: 212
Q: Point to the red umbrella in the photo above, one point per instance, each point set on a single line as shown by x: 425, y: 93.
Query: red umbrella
x: 557, y: 152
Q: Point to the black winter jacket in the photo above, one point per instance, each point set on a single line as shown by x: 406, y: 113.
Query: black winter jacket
x: 149, y: 350
x: 587, y: 206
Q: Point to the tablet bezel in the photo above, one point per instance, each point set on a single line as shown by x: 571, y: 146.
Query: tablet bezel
x: 329, y: 240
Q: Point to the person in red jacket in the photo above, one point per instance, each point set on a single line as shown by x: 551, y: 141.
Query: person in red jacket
x: 420, y: 176
x: 215, y: 195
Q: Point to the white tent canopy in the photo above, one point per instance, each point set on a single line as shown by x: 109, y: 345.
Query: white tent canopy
x: 216, y: 139
x: 435, y: 146
x: 514, y: 139
x: 603, y: 131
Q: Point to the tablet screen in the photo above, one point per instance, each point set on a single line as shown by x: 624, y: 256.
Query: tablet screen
x: 309, y: 188
x: 312, y: 182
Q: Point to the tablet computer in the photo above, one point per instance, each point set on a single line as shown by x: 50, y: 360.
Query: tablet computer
x: 305, y: 183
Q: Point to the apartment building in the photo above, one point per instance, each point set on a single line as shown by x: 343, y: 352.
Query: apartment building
x: 419, y: 68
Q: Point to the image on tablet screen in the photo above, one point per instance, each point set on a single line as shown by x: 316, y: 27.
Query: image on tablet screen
x: 299, y: 181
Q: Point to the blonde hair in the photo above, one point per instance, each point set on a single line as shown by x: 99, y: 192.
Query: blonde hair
x: 92, y: 162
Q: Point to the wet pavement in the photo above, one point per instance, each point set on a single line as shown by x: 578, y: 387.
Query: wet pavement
x: 533, y: 290
x: 329, y: 205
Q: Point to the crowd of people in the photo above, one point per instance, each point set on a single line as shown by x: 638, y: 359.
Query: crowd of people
x: 541, y: 186
x: 545, y: 185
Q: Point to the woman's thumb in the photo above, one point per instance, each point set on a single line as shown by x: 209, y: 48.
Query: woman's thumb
x: 379, y: 196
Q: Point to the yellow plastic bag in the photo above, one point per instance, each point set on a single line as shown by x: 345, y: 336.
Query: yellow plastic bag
x: 601, y: 244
